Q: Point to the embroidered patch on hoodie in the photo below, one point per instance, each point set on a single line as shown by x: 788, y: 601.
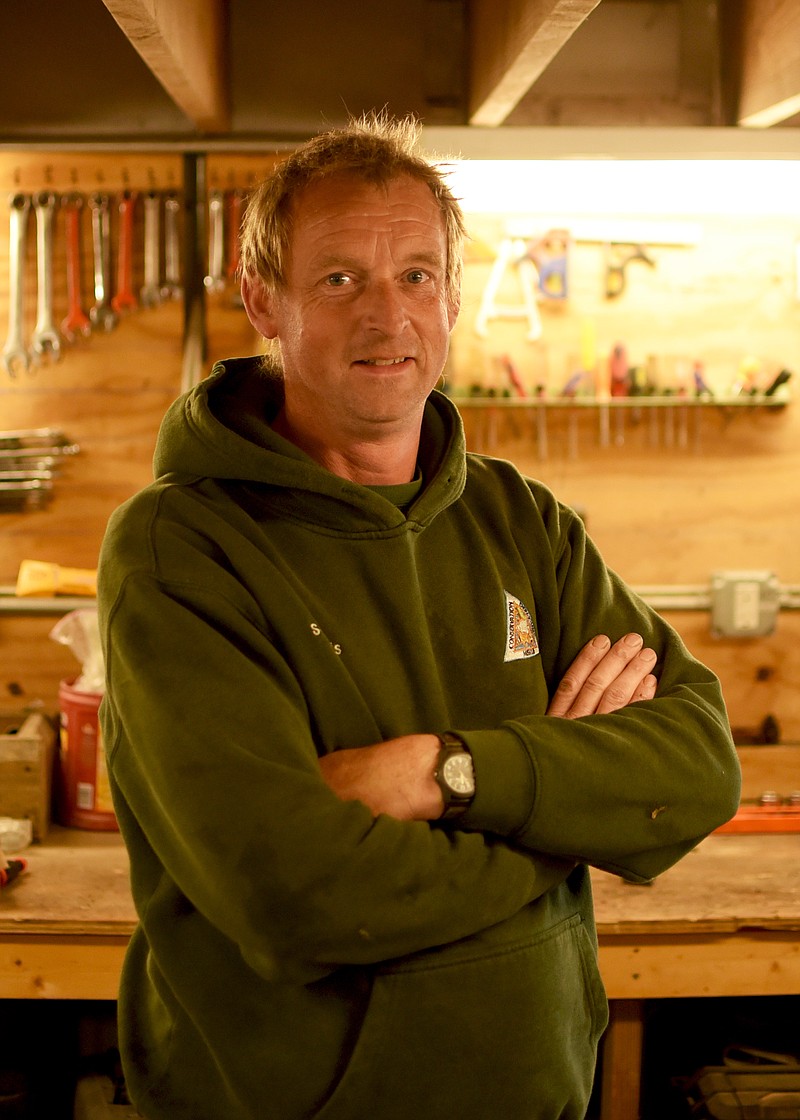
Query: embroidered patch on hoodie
x: 520, y: 634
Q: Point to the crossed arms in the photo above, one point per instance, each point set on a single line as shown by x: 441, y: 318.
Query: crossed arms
x: 396, y: 776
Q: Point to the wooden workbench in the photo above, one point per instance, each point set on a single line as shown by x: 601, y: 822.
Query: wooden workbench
x: 725, y: 921
x: 65, y: 922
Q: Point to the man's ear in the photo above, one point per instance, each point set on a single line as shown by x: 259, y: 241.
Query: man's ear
x: 259, y: 305
x: 453, y: 308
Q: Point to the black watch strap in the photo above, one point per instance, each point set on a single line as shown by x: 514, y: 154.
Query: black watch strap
x: 454, y: 774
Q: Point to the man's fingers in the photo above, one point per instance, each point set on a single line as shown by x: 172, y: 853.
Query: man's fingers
x: 578, y: 673
x: 629, y: 683
x: 646, y: 690
x: 604, y: 678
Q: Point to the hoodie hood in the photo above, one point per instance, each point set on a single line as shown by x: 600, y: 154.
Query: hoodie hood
x: 221, y: 430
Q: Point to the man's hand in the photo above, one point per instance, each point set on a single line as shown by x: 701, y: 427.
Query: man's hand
x: 396, y: 777
x: 604, y: 678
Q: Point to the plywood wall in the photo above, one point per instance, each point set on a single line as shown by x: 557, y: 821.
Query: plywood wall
x: 664, y: 509
x: 107, y: 392
x: 671, y: 495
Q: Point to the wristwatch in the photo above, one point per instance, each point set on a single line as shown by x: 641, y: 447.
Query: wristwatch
x: 454, y: 774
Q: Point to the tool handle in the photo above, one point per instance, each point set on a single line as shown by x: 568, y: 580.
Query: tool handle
x: 13, y: 868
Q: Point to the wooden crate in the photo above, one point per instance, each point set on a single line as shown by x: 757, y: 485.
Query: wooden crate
x: 27, y: 752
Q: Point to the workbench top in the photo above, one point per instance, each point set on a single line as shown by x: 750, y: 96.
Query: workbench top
x: 730, y: 882
x: 77, y: 883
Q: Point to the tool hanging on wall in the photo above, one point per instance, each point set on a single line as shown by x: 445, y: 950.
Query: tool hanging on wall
x: 549, y: 254
x: 235, y: 211
x: 215, y: 277
x: 15, y: 353
x: 172, y: 288
x: 617, y: 257
x: 511, y: 252
x: 150, y: 292
x: 76, y: 322
x: 124, y: 299
x: 128, y: 274
x: 102, y: 314
x: 46, y: 339
x: 234, y: 215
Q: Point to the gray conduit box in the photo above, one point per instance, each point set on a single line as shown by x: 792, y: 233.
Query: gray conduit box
x: 744, y: 604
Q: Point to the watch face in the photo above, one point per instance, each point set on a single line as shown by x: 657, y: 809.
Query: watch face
x: 458, y: 773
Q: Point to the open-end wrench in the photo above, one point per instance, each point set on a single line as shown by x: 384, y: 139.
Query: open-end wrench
x: 45, y: 338
x: 150, y: 292
x: 215, y: 280
x: 236, y: 199
x: 76, y: 320
x: 102, y: 313
x: 171, y: 288
x: 31, y: 437
x: 14, y: 353
x: 235, y: 208
x: 124, y: 299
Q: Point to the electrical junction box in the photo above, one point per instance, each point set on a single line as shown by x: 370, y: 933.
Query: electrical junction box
x: 744, y: 604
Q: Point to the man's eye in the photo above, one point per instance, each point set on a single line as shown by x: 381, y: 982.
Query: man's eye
x: 337, y: 279
x: 417, y: 276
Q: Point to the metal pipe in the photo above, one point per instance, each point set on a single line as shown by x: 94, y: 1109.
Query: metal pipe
x: 195, y: 343
x: 660, y: 598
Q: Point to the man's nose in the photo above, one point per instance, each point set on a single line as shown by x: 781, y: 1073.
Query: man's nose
x: 384, y: 308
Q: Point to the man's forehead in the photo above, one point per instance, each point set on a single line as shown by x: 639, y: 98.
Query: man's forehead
x: 344, y: 200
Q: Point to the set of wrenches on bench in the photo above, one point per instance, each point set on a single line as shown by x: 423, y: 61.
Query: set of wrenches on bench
x: 161, y: 267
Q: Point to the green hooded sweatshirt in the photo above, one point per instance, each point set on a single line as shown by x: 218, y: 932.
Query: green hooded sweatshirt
x: 295, y: 957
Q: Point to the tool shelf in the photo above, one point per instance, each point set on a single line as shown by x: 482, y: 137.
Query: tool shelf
x: 747, y: 403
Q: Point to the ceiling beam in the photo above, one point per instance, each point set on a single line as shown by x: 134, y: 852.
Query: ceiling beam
x: 183, y: 44
x: 511, y: 43
x: 770, y: 82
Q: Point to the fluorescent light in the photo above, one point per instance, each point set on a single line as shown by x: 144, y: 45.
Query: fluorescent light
x: 628, y: 187
x: 772, y: 114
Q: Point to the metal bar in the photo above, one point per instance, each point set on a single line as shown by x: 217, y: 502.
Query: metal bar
x: 42, y: 606
x: 195, y: 344
x: 660, y: 598
x: 699, y: 598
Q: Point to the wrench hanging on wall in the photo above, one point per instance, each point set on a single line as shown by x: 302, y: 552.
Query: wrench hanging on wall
x: 15, y: 354
x: 45, y: 339
x: 76, y: 322
x: 102, y: 314
x: 151, y: 293
x: 236, y: 199
x: 123, y: 299
x: 171, y: 288
x: 215, y: 278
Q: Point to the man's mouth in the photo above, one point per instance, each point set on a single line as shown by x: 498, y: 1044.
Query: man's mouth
x: 382, y: 361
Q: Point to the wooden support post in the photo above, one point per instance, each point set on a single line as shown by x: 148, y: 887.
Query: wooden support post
x: 622, y: 1061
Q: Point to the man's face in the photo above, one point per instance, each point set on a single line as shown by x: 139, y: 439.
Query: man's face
x: 363, y: 321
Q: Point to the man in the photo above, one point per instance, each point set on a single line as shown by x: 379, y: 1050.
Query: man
x: 336, y: 650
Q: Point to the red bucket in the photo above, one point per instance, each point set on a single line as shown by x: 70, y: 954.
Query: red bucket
x: 84, y: 795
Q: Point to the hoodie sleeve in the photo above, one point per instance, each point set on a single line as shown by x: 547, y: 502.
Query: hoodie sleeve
x: 630, y: 792
x: 219, y: 794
